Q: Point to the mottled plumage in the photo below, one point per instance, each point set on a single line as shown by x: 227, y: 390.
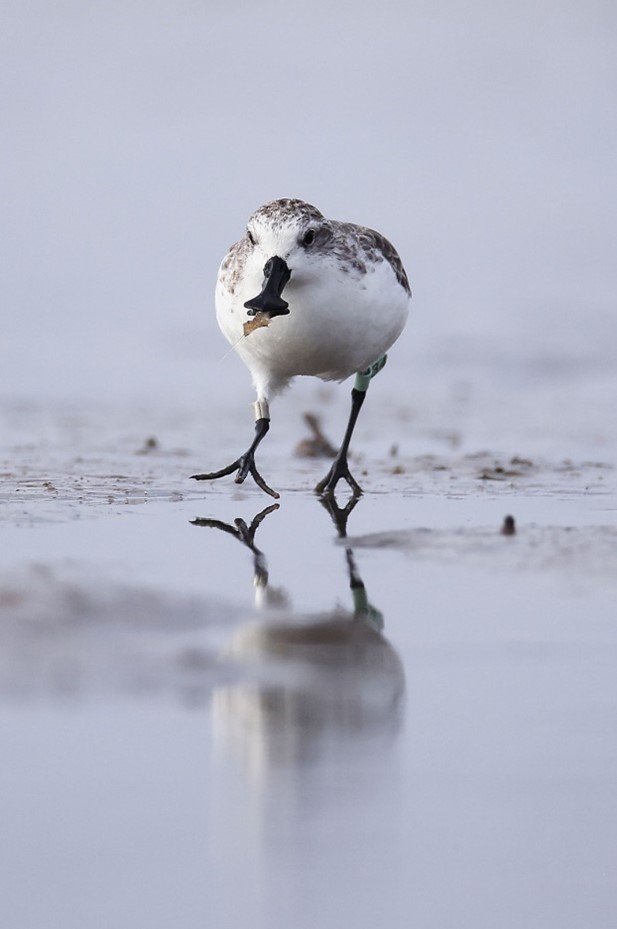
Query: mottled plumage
x: 354, y: 247
x: 348, y: 295
x: 328, y: 298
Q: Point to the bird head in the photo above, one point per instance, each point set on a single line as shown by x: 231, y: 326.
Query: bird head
x: 284, y: 234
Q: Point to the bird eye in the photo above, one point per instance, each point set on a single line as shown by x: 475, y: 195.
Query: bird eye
x: 250, y: 236
x: 309, y: 237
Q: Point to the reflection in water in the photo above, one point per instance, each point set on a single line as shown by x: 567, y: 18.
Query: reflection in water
x: 311, y: 684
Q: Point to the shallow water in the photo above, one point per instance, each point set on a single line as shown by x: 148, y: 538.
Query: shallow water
x: 201, y: 733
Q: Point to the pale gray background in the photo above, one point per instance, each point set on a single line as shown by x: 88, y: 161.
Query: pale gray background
x: 138, y: 137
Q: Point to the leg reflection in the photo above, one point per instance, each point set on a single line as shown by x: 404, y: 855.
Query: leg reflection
x: 307, y: 683
x: 246, y: 535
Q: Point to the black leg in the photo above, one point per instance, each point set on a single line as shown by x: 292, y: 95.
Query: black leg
x: 340, y: 468
x: 245, y: 464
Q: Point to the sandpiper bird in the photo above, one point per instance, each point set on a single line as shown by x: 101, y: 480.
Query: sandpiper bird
x: 346, y: 302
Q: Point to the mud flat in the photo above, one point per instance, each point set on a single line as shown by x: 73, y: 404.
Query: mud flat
x: 200, y: 724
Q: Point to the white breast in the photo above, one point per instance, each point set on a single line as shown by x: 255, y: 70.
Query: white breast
x: 339, y: 323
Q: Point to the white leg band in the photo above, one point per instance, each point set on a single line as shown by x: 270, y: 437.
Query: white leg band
x: 262, y: 410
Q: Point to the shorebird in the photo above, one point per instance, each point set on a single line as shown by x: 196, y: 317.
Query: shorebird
x: 346, y: 302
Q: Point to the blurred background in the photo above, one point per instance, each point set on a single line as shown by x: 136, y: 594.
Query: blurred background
x: 137, y: 137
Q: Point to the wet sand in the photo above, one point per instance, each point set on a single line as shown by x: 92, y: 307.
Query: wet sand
x: 413, y: 724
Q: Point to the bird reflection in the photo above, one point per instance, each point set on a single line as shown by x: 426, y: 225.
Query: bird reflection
x: 310, y: 684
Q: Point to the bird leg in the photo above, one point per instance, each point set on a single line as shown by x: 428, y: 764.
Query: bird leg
x: 340, y: 467
x: 245, y: 464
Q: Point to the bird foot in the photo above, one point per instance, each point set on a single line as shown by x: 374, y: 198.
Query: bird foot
x: 339, y: 470
x: 245, y: 465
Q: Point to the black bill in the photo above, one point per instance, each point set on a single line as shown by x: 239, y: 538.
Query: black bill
x: 269, y: 301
